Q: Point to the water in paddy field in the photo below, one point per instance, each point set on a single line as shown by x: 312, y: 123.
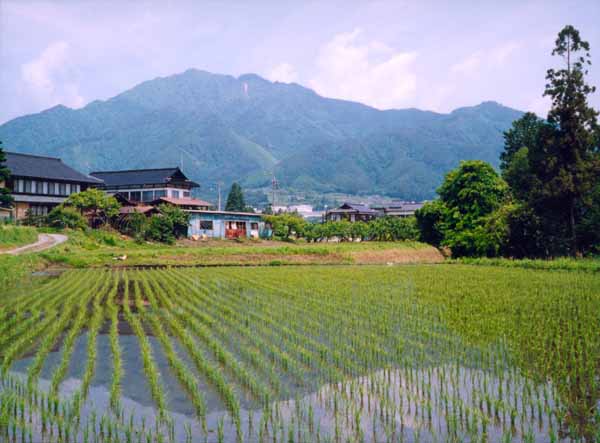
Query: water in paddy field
x: 437, y: 403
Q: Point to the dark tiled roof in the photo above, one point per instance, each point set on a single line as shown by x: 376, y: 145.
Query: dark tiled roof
x: 354, y: 207
x: 137, y: 177
x: 49, y: 168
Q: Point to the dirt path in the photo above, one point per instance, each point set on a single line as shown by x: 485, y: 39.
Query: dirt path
x: 45, y: 241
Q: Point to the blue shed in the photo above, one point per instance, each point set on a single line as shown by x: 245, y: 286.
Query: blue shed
x: 226, y: 224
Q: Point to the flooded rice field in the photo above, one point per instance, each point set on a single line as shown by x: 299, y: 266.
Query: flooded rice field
x: 411, y: 354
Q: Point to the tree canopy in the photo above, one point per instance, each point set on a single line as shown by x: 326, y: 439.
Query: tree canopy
x: 6, y: 199
x: 235, y: 199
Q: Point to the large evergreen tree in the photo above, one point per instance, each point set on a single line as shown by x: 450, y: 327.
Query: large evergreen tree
x: 235, y: 199
x: 565, y: 159
x: 5, y: 198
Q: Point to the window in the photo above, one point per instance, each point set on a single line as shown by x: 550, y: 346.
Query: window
x: 206, y: 224
x: 254, y: 225
x: 175, y: 194
x: 160, y: 193
x: 147, y: 196
x: 186, y: 194
x: 69, y: 189
x: 135, y: 196
x: 44, y: 188
x: 28, y: 185
x: 62, y: 189
x: 20, y: 185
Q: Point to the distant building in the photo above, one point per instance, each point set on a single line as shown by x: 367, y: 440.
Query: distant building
x: 226, y: 224
x: 400, y: 208
x: 147, y: 185
x: 305, y: 211
x: 38, y: 183
x: 351, y: 212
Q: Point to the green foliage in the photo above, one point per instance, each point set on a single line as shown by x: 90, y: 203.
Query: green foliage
x: 553, y: 167
x: 96, y: 203
x: 235, y: 199
x: 135, y: 225
x: 66, y: 217
x: 286, y: 225
x: 468, y: 198
x: 11, y: 235
x: 160, y: 229
x: 523, y: 133
x: 6, y: 199
x: 178, y: 218
x: 393, y: 229
x: 429, y: 222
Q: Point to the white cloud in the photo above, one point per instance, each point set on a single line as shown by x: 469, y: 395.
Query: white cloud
x: 469, y: 65
x: 371, y: 72
x: 283, y: 72
x: 49, y: 78
x: 493, y: 58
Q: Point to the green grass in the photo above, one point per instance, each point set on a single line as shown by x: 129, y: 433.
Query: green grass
x: 101, y: 248
x: 562, y: 264
x: 13, y: 236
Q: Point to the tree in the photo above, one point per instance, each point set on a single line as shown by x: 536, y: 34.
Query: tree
x: 524, y: 133
x: 285, y: 225
x: 96, y: 203
x: 429, y: 222
x: 178, y: 218
x: 565, y: 161
x: 470, y: 193
x: 6, y: 199
x: 235, y: 199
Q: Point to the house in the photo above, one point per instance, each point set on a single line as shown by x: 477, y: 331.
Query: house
x: 226, y: 224
x: 400, y: 208
x: 38, y: 183
x: 351, y: 212
x: 146, y: 185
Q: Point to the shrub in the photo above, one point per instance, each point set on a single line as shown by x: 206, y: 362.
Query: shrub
x: 66, y: 217
x: 178, y: 218
x: 160, y: 229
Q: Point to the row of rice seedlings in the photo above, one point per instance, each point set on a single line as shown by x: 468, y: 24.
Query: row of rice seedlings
x: 68, y: 344
x: 78, y: 310
x: 313, y: 320
x: 150, y: 369
x: 29, y: 338
x: 95, y: 324
x: 207, y: 312
x: 212, y: 373
x: 303, y: 347
x: 184, y: 375
x: 25, y: 317
x: 13, y: 302
x: 246, y: 377
x: 117, y: 366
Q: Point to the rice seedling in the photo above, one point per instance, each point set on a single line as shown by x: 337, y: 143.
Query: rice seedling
x: 346, y: 354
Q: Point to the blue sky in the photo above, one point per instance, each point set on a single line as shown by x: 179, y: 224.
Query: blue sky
x: 435, y: 55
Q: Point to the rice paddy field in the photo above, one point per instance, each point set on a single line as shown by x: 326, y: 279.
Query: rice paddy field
x: 413, y: 353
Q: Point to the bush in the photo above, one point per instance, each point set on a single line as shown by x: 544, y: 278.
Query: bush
x: 160, y: 229
x: 393, y: 229
x: 66, y: 217
x: 429, y: 222
x: 286, y: 225
x: 179, y: 219
x: 134, y: 225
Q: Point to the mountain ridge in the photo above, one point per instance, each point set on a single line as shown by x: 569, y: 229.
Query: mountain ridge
x: 226, y: 129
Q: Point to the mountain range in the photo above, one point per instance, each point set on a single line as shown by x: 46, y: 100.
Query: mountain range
x: 223, y: 128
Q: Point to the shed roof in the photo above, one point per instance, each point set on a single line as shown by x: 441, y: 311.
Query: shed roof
x: 353, y: 207
x: 183, y: 201
x: 49, y: 168
x: 140, y: 177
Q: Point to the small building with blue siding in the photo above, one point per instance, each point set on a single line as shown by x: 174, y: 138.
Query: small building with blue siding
x: 226, y: 224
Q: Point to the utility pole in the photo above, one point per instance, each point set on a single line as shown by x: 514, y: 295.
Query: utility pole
x: 219, y: 192
x: 274, y: 187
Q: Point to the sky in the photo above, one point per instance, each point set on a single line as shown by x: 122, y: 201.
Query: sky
x: 433, y: 55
